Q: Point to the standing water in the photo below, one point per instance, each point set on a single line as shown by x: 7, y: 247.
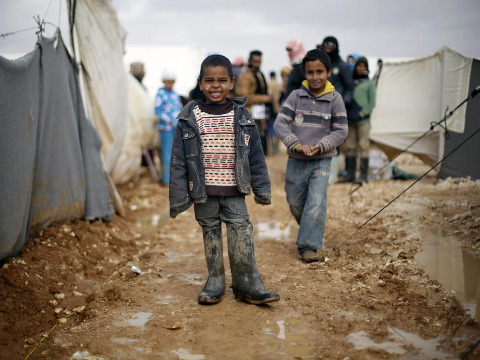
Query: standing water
x: 443, y: 260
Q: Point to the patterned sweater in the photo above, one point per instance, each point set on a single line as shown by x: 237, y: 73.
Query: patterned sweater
x: 217, y: 133
x: 309, y: 120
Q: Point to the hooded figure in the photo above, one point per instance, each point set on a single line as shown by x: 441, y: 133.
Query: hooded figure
x: 341, y: 77
x: 357, y: 142
x: 296, y: 53
x: 352, y: 59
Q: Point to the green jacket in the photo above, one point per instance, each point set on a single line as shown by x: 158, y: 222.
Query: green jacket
x: 364, y: 95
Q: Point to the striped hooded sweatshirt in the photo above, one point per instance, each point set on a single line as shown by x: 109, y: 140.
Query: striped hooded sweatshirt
x: 307, y: 119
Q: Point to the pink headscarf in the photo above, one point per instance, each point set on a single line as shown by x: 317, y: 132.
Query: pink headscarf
x: 296, y: 52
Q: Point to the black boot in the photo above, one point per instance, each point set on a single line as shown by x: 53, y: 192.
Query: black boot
x: 351, y: 167
x: 363, y: 179
x: 247, y: 284
x: 215, y: 286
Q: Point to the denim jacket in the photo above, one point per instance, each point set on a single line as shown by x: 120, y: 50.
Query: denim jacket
x: 187, y: 175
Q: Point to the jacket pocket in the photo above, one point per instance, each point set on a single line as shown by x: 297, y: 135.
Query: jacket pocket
x: 190, y: 142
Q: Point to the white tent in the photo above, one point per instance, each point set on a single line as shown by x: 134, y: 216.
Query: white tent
x: 414, y: 95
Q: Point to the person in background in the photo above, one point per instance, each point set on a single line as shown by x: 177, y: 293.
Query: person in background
x: 284, y: 73
x: 342, y: 76
x: 357, y: 141
x: 217, y: 160
x: 296, y: 52
x: 252, y: 84
x: 312, y: 123
x: 342, y: 79
x: 351, y: 60
x: 137, y: 69
x: 276, y: 89
x: 167, y: 106
x: 238, y: 65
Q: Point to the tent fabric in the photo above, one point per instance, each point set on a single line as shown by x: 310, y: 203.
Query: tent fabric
x: 413, y: 94
x: 100, y: 40
x: 466, y: 160
x: 50, y: 169
x: 140, y: 132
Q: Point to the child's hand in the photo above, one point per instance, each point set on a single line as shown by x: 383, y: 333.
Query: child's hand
x: 308, y: 150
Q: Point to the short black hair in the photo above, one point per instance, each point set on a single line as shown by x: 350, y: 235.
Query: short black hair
x: 255, y: 53
x: 317, y: 54
x: 216, y: 60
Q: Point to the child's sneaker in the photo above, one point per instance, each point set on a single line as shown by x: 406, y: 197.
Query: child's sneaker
x: 310, y: 256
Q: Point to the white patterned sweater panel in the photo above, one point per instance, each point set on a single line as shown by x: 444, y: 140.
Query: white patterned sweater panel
x: 217, y: 133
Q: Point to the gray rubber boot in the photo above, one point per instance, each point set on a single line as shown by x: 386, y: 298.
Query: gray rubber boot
x: 351, y: 168
x: 247, y: 284
x: 215, y: 286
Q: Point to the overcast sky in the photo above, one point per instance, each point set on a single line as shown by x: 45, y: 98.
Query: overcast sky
x: 383, y: 28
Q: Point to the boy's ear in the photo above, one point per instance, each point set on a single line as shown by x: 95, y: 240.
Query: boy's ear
x: 199, y: 83
x: 329, y: 73
x: 232, y: 82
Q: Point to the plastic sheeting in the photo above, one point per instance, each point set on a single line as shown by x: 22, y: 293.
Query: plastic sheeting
x: 412, y: 94
x: 465, y: 161
x: 100, y: 43
x: 50, y: 168
x: 140, y: 132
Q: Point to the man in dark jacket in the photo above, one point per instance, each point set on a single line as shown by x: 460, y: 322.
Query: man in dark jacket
x: 341, y: 77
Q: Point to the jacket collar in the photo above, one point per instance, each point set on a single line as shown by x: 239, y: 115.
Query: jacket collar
x: 327, y: 93
x: 184, y: 114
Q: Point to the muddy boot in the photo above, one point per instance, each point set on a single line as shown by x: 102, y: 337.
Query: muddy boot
x: 363, y: 172
x: 350, y: 167
x: 247, y: 284
x: 215, y: 285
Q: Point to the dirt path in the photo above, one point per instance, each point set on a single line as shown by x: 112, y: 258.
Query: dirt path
x: 74, y: 283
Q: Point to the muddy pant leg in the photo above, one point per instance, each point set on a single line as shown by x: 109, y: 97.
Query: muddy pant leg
x: 312, y: 225
x: 208, y: 217
x: 296, y: 187
x: 247, y: 284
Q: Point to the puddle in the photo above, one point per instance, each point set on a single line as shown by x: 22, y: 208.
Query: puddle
x: 139, y: 319
x: 192, y: 279
x: 443, y: 260
x: 296, y: 334
x: 79, y: 355
x: 149, y: 224
x: 184, y: 354
x: 423, y: 349
x: 124, y: 341
x: 276, y: 230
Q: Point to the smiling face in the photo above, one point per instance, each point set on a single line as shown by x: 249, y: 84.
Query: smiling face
x: 316, y: 74
x: 216, y: 84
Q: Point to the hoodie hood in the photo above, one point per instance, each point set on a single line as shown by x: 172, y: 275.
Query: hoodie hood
x: 328, y: 88
x: 363, y: 76
x: 335, y: 53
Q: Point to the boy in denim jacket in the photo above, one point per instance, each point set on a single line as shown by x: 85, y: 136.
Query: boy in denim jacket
x: 217, y: 159
x: 312, y: 123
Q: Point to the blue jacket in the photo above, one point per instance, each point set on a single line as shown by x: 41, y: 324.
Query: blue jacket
x: 187, y: 175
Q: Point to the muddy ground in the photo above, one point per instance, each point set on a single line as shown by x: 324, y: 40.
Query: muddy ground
x: 71, y: 293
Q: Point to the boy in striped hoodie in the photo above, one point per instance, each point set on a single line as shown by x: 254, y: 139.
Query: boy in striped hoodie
x: 312, y: 123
